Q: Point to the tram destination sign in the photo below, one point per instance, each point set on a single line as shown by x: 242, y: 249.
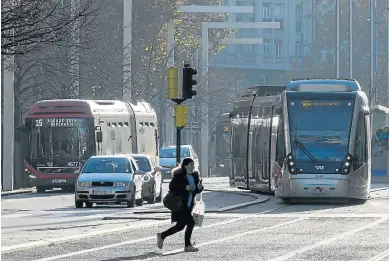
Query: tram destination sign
x: 58, y: 122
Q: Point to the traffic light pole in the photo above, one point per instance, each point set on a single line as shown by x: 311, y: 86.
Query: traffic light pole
x: 178, y: 135
x: 178, y: 146
x: 181, y: 111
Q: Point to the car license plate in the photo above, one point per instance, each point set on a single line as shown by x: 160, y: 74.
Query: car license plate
x: 102, y: 192
x: 59, y: 180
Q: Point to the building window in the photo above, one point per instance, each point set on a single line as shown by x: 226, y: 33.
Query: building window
x: 266, y: 12
x: 266, y: 47
x: 279, y: 12
x: 278, y: 47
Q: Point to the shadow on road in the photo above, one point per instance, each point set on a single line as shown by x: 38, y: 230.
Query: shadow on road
x: 34, y: 194
x: 143, y: 256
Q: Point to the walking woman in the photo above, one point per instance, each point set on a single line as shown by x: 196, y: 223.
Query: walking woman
x: 186, y: 184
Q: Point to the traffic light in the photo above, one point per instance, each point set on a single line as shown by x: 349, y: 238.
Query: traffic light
x: 181, y: 112
x: 172, y: 83
x: 188, y: 82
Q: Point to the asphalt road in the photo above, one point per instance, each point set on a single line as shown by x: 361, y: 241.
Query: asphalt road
x: 31, y: 217
x: 269, y: 231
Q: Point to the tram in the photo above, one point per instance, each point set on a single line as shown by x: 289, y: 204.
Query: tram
x: 311, y: 141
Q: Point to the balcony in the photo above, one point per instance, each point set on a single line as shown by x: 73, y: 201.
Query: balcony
x: 253, y: 61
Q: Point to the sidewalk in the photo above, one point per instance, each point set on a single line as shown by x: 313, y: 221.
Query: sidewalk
x: 16, y: 191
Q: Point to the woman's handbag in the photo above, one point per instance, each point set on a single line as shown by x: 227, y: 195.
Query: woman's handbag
x: 172, y: 202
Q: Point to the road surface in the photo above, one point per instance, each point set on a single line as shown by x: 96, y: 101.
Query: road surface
x: 269, y: 231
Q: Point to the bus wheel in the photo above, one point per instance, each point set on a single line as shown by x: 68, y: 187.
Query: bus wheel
x: 40, y: 189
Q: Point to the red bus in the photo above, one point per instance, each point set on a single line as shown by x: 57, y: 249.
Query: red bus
x: 63, y: 134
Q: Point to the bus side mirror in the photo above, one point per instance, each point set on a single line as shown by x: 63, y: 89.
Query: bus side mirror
x: 99, y: 136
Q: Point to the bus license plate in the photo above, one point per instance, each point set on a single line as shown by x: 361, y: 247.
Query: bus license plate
x: 102, y: 192
x: 59, y: 180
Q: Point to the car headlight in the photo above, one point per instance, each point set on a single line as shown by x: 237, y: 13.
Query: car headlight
x: 146, y: 178
x: 120, y: 184
x: 85, y: 184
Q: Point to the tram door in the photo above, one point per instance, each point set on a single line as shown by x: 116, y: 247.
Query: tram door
x: 260, y: 148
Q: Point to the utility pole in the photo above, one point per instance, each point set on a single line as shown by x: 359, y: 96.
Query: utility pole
x: 351, y: 39
x: 338, y: 3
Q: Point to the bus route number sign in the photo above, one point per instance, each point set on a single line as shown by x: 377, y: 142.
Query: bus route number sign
x: 57, y: 122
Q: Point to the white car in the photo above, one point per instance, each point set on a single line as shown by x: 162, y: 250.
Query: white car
x: 152, y: 178
x: 111, y: 179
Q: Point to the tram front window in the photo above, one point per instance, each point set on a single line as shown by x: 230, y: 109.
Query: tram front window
x: 320, y: 129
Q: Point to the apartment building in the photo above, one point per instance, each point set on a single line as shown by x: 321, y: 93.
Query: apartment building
x: 283, y: 51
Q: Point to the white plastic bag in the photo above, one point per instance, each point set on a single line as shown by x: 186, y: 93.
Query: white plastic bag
x: 198, y: 211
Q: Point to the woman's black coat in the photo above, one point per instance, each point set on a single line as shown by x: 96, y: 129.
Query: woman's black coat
x: 178, y: 186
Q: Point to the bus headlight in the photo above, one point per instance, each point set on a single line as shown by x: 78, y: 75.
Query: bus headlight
x: 347, y: 164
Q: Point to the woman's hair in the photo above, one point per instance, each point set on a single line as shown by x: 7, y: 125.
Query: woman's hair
x: 186, y: 161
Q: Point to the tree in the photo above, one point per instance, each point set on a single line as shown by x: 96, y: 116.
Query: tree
x: 25, y: 25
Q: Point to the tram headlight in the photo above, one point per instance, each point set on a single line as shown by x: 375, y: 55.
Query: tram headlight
x: 291, y: 164
x: 347, y: 164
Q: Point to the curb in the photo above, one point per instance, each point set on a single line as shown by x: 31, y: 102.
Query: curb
x: 258, y: 199
x: 162, y: 221
x: 16, y: 192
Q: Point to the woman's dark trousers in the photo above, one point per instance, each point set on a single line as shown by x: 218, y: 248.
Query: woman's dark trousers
x: 184, y: 219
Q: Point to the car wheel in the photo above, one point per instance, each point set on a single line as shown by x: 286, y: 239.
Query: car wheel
x: 159, y: 198
x: 40, y: 189
x: 153, y: 197
x: 79, y: 204
x: 139, y: 202
x: 131, y: 202
x: 89, y: 204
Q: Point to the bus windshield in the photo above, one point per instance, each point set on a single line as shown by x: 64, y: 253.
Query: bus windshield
x: 320, y: 129
x: 60, y: 137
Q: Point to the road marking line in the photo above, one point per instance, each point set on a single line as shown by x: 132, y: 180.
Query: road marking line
x: 380, y: 256
x: 328, y: 240
x: 143, y: 239
x: 292, y: 215
x: 240, y: 235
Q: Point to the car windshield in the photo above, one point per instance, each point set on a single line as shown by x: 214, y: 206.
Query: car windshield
x: 171, y: 153
x: 107, y: 165
x: 143, y: 163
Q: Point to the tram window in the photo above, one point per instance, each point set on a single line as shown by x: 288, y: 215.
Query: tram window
x: 109, y: 124
x: 147, y: 124
x: 114, y: 124
x: 360, y: 144
x: 120, y: 124
x: 126, y: 124
x: 151, y: 124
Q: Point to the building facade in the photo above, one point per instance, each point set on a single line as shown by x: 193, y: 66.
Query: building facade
x: 283, y: 52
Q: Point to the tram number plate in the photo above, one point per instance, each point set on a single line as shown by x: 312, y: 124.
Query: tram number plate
x: 319, y: 177
x: 59, y: 180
